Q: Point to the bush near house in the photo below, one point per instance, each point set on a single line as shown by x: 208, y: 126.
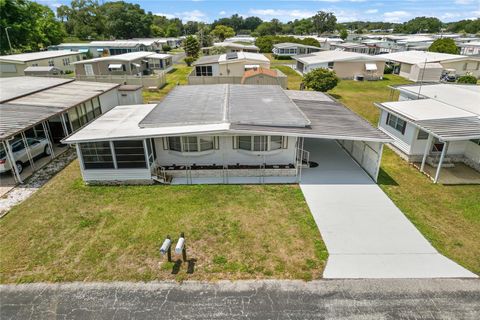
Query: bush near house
x: 467, y: 79
x: 166, y: 48
x: 321, y: 80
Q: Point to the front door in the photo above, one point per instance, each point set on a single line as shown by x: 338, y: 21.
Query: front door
x: 437, y: 146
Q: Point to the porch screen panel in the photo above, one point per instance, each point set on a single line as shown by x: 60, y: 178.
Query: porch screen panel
x: 130, y: 154
x: 276, y: 142
x: 97, y: 155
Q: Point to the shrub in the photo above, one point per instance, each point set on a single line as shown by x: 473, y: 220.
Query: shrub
x: 388, y: 69
x: 189, y: 60
x: 166, y: 48
x: 321, y: 79
x: 468, y: 79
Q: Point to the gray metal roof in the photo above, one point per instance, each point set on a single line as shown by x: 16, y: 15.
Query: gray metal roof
x: 32, y: 56
x: 207, y: 59
x: 226, y: 103
x: 329, y: 119
x: 17, y: 118
x: 22, y: 113
x: 15, y: 87
x: 452, y: 129
x: 188, y: 105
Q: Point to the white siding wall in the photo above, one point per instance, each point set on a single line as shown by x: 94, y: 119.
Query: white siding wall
x: 366, y: 154
x: 109, y: 99
x: 226, y: 154
x: 116, y: 175
x: 402, y: 141
x: 130, y: 97
x: 472, y: 151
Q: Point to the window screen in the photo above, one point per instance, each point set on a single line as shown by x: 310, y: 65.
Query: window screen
x: 97, y: 155
x: 129, y: 154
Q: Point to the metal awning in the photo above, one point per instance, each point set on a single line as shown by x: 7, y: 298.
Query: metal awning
x: 136, y: 65
x: 115, y: 66
x: 452, y: 129
x: 83, y: 50
x: 370, y: 66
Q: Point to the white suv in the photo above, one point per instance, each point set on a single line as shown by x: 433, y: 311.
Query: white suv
x: 38, y: 147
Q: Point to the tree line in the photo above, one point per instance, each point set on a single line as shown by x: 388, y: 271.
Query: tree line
x: 32, y: 26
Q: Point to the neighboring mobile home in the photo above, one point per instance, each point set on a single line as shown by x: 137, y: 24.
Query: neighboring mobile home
x: 435, y: 124
x: 15, y: 64
x: 428, y: 66
x: 233, y: 47
x: 133, y: 63
x: 347, y: 65
x: 288, y: 49
x: 221, y: 134
x: 37, y: 113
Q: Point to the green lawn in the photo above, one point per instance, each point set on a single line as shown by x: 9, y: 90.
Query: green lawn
x: 68, y: 231
x: 293, y: 80
x: 178, y: 75
x: 448, y: 216
x: 274, y: 61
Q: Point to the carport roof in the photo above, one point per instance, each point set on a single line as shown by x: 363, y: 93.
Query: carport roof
x: 20, y: 114
x: 15, y: 87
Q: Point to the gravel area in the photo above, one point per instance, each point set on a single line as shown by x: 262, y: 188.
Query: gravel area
x: 35, y: 182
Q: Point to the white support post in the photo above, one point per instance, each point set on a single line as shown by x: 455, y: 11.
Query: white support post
x: 379, y: 157
x: 80, y: 159
x: 426, y: 152
x: 114, y: 156
x: 444, y: 151
x: 11, y: 159
x: 50, y: 144
x: 147, y: 156
x: 301, y: 160
x: 27, y: 149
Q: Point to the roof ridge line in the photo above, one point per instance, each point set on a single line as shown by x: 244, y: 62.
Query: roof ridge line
x: 226, y: 103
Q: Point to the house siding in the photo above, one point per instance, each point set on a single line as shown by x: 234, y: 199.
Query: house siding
x: 226, y: 154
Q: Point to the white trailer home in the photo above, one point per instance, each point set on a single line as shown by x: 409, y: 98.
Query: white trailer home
x: 221, y: 134
x: 436, y: 126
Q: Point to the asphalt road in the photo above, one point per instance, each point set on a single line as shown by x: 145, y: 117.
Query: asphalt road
x: 325, y: 299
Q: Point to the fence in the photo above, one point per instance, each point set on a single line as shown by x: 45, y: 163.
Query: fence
x: 155, y: 80
x: 259, y: 79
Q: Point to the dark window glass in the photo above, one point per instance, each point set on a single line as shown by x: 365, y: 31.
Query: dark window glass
x: 175, y: 143
x: 396, y: 123
x: 130, y: 154
x: 422, y: 135
x: 97, y: 155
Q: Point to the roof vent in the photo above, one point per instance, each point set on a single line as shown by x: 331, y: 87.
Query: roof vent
x: 232, y: 55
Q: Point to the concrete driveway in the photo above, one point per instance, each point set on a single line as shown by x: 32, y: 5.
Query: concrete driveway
x: 333, y: 299
x: 366, y: 235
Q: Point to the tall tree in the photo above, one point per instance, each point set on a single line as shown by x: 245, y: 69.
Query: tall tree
x: 126, y: 20
x: 191, y: 47
x: 83, y: 19
x: 31, y: 26
x: 444, y: 45
x: 251, y: 23
x: 324, y: 22
x: 222, y: 32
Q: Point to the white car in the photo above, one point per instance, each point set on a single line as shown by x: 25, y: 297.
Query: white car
x: 38, y: 147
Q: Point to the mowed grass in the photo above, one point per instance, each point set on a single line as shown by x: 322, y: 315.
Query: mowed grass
x: 68, y: 231
x: 360, y: 95
x: 274, y: 61
x: 448, y: 216
x: 177, y: 76
x: 293, y: 78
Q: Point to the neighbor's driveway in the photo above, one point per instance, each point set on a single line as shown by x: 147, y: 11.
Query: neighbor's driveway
x: 366, y: 235
x: 333, y: 299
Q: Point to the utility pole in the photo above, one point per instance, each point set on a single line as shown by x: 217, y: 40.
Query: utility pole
x: 8, y: 38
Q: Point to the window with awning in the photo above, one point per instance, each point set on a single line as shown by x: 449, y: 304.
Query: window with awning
x: 370, y: 67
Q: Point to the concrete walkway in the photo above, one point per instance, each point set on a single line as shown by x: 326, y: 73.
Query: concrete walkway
x: 333, y: 299
x: 366, y: 235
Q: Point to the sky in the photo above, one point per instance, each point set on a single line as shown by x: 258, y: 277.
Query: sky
x: 345, y: 10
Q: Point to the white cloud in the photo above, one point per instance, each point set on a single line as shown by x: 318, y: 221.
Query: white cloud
x: 463, y: 1
x: 370, y: 11
x: 194, y: 15
x: 282, y: 14
x: 222, y: 13
x: 395, y: 16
